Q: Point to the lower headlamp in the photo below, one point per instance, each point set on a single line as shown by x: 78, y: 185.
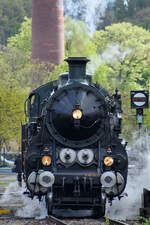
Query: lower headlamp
x: 108, y: 161
x: 46, y: 160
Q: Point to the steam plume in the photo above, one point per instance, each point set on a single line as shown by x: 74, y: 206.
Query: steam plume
x: 138, y: 178
x: 86, y: 10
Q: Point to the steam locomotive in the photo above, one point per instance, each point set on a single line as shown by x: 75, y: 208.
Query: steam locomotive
x: 72, y: 153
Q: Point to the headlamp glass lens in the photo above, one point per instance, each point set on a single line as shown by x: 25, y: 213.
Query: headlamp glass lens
x: 108, y: 161
x: 77, y: 114
x: 46, y: 160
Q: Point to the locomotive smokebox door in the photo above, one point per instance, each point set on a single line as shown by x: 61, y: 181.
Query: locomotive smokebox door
x: 139, y: 99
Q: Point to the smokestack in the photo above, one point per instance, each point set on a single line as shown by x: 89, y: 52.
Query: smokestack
x: 47, y: 31
x: 77, y: 67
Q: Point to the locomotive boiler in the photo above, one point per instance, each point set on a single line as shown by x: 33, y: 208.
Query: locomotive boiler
x: 72, y: 151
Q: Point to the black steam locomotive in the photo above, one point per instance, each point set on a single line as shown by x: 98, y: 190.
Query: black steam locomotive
x: 72, y: 152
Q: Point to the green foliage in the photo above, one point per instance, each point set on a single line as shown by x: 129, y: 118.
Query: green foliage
x: 145, y: 221
x: 135, y: 5
x: 11, y: 111
x: 14, y: 65
x: 18, y: 76
x: 77, y: 38
x: 13, y: 92
x: 132, y: 5
x: 75, y: 8
x: 139, y: 13
x: 120, y: 10
x: 27, y: 4
x: 101, y: 75
x: 124, y: 63
x: 122, y: 50
x: 11, y: 15
x: 130, y: 53
x: 136, y: 12
x: 53, y: 74
x: 107, y: 220
x: 22, y: 40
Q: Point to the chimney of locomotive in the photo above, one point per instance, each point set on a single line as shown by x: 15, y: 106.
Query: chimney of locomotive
x: 47, y: 31
x: 77, y: 67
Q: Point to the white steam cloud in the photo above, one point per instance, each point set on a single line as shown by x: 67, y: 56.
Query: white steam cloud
x: 127, y: 208
x: 28, y: 208
x: 112, y: 53
x: 87, y: 10
x: 138, y: 178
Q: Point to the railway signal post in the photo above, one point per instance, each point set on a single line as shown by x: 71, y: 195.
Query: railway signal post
x: 139, y: 101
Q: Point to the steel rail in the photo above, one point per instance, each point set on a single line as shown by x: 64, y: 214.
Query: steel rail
x: 50, y: 218
x: 57, y: 221
x: 61, y: 222
x: 117, y: 222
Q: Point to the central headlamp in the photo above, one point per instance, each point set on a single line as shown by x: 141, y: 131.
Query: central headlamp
x: 108, y: 161
x: 46, y: 160
x: 67, y: 156
x: 85, y: 156
x: 77, y: 114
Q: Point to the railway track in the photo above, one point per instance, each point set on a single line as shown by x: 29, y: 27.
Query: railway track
x: 117, y: 222
x: 101, y: 221
x: 51, y: 220
x: 57, y: 221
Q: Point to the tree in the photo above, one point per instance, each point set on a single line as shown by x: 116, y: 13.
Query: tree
x: 132, y: 7
x: 85, y: 11
x: 11, y: 15
x: 120, y: 10
x: 18, y: 76
x: 77, y: 38
x: 141, y: 18
x: 11, y: 112
x: 124, y: 52
x: 22, y: 40
x: 135, y: 5
x: 27, y: 4
x: 75, y: 8
x: 106, y: 20
x: 136, y: 12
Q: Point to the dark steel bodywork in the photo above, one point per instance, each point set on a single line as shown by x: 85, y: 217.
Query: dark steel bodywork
x: 77, y: 177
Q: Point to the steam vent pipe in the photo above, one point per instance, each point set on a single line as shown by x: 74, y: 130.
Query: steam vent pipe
x: 47, y: 31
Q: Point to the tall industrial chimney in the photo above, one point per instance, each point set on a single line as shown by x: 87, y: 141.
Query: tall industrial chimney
x: 47, y: 31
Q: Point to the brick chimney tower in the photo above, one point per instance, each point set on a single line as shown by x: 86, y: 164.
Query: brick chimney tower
x: 47, y: 31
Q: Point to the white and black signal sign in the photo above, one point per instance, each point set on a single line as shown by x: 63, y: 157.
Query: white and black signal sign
x: 139, y: 99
